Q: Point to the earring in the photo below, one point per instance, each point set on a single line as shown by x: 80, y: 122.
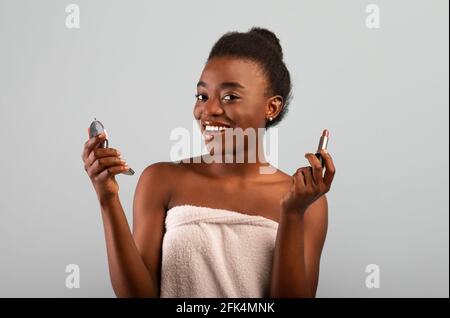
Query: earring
x: 270, y: 118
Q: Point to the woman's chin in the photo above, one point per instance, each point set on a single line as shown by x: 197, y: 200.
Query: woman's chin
x: 215, y: 149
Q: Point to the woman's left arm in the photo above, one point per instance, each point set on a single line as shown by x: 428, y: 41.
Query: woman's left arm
x: 302, y: 231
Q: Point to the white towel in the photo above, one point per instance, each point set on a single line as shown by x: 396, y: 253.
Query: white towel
x: 208, y: 252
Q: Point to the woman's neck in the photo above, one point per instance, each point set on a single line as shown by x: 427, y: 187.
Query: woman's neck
x: 246, y: 164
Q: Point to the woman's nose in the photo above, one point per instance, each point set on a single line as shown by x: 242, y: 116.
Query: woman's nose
x: 212, y: 107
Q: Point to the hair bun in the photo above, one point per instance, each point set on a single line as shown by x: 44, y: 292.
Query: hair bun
x: 270, y: 37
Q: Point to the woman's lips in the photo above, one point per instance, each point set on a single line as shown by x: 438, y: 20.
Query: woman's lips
x: 208, y: 135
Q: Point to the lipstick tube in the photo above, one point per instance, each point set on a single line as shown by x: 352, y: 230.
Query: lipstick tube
x: 323, y: 142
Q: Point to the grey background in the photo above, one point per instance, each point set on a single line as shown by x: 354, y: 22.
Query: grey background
x: 383, y: 94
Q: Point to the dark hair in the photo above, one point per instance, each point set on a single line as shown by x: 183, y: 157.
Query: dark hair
x: 262, y: 46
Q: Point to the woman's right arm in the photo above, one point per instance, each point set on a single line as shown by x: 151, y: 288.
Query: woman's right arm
x: 128, y: 273
x: 133, y: 270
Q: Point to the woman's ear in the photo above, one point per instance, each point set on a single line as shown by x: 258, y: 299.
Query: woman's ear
x: 274, y: 107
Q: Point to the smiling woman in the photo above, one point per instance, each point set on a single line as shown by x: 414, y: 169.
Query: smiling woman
x: 221, y: 229
x: 265, y: 74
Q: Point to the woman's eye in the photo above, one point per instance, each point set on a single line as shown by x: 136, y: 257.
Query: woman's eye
x: 230, y: 97
x: 200, y: 97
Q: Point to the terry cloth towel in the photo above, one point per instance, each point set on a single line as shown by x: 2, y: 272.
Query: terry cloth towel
x: 209, y: 252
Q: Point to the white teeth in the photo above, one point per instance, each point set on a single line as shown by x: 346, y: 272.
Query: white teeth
x: 215, y: 128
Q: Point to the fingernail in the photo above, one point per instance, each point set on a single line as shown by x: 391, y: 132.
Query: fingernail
x: 326, y: 151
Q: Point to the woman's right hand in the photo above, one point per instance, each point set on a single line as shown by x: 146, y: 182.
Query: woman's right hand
x: 101, y: 165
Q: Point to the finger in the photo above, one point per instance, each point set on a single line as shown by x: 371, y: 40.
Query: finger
x: 299, y: 180
x: 330, y: 170
x: 111, y: 171
x: 94, y: 172
x: 103, y: 163
x: 316, y: 167
x: 98, y: 153
x: 309, y: 181
x: 91, y: 144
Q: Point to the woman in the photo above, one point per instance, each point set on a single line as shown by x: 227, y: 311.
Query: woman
x: 220, y: 229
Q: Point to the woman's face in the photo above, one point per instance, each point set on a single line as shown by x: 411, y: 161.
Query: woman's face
x: 231, y: 93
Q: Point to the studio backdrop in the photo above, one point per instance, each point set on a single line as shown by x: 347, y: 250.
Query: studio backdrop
x: 375, y: 73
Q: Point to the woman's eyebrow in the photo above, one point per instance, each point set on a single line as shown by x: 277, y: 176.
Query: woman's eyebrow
x: 201, y: 83
x: 223, y: 85
x: 231, y: 85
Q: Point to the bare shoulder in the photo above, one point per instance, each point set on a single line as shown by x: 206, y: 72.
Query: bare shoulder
x: 161, y: 167
x: 163, y: 172
x: 156, y: 182
x: 284, y: 177
x: 278, y: 177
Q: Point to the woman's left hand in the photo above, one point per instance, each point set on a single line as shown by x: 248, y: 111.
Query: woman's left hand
x: 308, y: 184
